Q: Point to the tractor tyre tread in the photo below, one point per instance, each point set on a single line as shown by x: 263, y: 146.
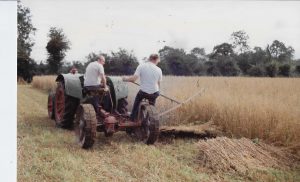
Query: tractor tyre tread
x: 51, y: 98
x: 154, y: 124
x: 91, y: 125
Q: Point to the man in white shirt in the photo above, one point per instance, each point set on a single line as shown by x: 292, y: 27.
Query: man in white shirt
x: 94, y: 79
x: 94, y: 73
x: 150, y: 77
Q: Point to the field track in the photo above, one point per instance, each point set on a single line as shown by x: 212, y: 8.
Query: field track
x: 46, y: 153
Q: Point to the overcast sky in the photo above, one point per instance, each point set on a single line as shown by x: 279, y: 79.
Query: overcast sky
x: 145, y: 27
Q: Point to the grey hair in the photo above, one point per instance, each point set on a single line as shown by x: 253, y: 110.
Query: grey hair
x: 101, y: 57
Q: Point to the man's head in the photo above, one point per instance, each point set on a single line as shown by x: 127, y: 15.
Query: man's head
x: 74, y: 70
x: 101, y: 59
x: 154, y: 58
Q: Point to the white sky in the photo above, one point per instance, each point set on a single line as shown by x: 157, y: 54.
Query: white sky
x: 8, y: 108
x: 93, y: 25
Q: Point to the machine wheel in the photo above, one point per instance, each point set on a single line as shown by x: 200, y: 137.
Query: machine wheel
x: 51, y: 108
x: 59, y: 103
x: 85, y: 126
x: 149, y: 131
x: 65, y: 107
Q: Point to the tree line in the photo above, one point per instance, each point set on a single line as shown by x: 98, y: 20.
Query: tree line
x: 232, y: 58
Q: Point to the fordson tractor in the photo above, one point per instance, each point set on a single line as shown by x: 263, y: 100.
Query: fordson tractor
x: 70, y: 107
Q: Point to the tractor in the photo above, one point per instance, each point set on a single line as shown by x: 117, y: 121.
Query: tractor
x: 70, y: 107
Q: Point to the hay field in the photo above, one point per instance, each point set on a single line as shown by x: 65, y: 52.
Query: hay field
x: 265, y: 108
x: 46, y: 153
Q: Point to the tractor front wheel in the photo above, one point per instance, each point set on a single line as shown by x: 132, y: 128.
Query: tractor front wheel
x: 85, y: 126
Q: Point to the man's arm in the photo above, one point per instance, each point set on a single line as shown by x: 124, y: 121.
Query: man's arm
x: 103, y: 79
x: 160, y: 79
x: 132, y: 78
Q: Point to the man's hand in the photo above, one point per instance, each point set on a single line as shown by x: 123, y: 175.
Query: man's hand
x: 124, y: 78
x: 106, y: 89
x: 132, y: 78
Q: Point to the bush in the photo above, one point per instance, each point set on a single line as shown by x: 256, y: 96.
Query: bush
x: 256, y: 71
x: 228, y: 67
x: 271, y: 69
x: 284, y: 70
x: 297, y: 69
x: 213, y: 71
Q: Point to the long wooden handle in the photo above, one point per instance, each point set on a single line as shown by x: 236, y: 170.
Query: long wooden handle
x: 177, y: 102
x: 179, y: 105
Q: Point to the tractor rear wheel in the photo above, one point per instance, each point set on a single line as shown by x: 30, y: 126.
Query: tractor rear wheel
x: 85, y: 126
x: 51, y: 98
x: 149, y: 131
x: 65, y: 108
x: 59, y: 103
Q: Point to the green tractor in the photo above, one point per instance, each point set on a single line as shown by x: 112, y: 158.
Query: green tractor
x: 70, y: 107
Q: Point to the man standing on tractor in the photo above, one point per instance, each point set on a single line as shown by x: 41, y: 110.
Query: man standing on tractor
x: 150, y: 77
x: 94, y: 79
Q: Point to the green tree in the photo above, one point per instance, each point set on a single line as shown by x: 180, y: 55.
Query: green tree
x: 122, y: 62
x: 42, y: 69
x: 79, y: 66
x: 278, y: 51
x: 259, y: 56
x: 57, y: 46
x: 240, y: 41
x: 228, y: 67
x: 244, y: 61
x: 177, y: 62
x: 27, y: 69
x: 25, y: 65
x: 224, y: 49
x: 224, y: 58
x: 198, y: 52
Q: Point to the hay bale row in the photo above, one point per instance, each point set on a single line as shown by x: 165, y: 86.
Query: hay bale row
x: 223, y: 154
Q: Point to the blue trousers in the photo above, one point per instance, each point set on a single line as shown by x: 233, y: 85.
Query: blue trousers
x: 139, y: 97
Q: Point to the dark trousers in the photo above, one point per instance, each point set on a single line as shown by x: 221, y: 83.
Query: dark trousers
x: 139, y: 97
x: 95, y: 100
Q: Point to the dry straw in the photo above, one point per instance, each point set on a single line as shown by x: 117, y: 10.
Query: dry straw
x: 266, y: 108
x: 241, y: 155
